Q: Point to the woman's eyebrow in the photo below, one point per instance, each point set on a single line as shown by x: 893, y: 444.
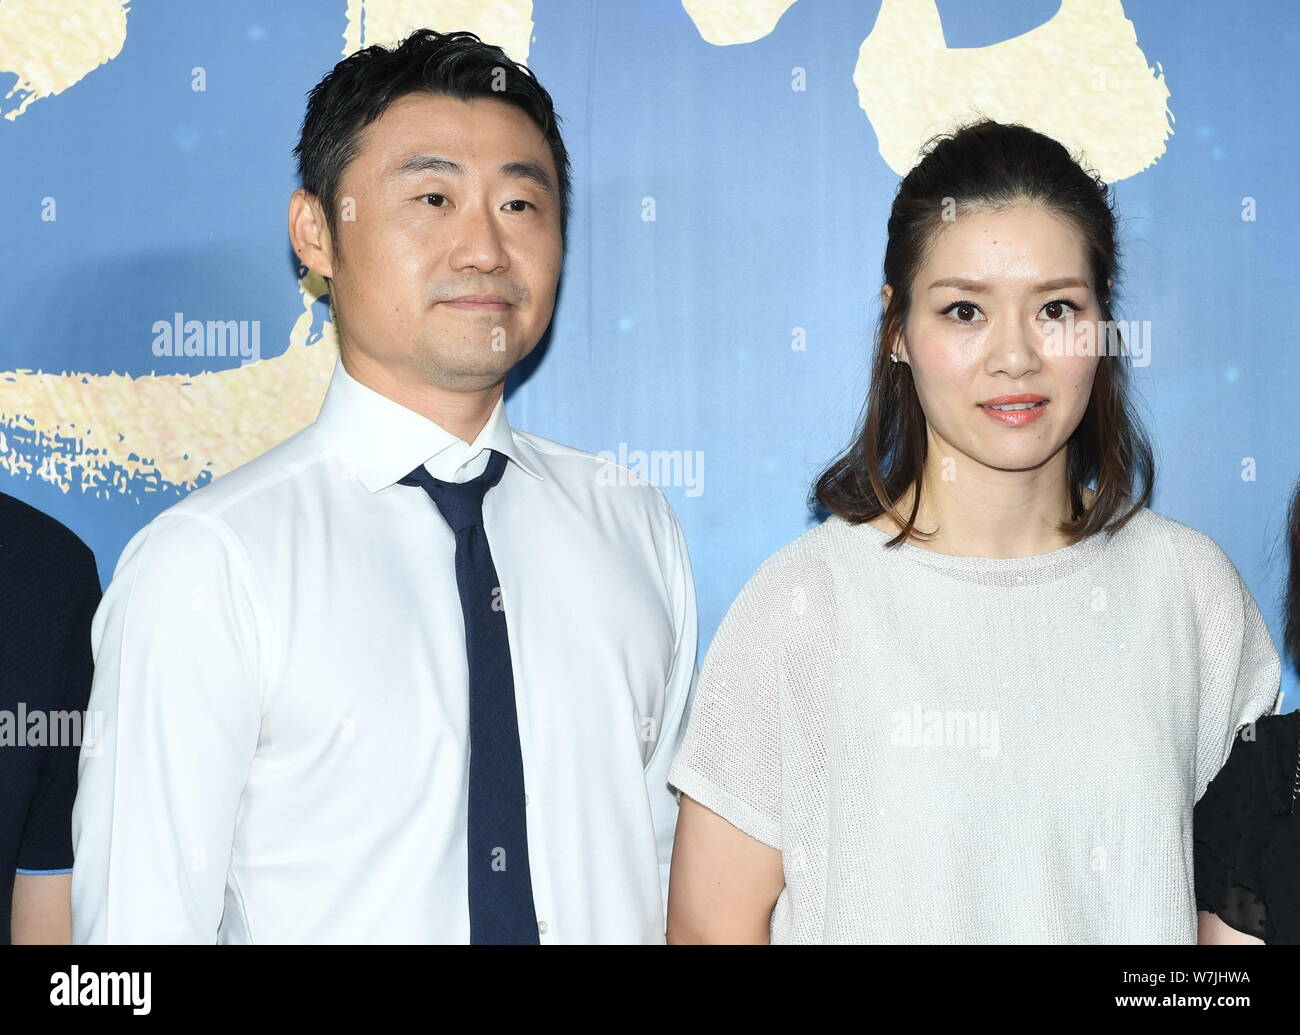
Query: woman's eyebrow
x: 981, y: 287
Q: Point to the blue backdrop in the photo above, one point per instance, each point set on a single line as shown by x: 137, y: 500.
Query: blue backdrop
x: 721, y: 286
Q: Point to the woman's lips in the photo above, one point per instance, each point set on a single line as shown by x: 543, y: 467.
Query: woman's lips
x: 1016, y: 418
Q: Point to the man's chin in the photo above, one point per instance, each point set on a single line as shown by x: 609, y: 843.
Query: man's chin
x: 468, y: 371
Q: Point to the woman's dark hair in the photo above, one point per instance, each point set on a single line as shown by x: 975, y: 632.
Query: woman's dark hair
x: 362, y: 86
x: 991, y: 165
x: 1291, y: 622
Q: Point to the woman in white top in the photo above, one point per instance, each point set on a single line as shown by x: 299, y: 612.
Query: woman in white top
x: 979, y: 701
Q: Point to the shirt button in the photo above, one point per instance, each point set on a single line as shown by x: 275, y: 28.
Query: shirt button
x: 541, y: 927
x: 527, y: 800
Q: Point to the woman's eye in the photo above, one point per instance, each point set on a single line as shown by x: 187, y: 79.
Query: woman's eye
x: 965, y: 311
x: 440, y: 197
x: 1059, y: 307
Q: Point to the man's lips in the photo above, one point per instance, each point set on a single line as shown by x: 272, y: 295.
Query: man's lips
x: 478, y: 302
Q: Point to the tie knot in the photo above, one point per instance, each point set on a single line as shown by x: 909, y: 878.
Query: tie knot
x: 460, y: 503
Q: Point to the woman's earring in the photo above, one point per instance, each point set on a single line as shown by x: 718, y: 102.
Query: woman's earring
x: 893, y: 357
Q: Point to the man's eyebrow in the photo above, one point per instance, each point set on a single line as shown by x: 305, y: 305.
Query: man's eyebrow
x: 418, y: 164
x: 980, y: 287
x: 527, y: 171
x: 425, y: 164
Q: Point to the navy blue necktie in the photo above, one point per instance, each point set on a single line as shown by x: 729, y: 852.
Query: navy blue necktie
x: 501, y: 910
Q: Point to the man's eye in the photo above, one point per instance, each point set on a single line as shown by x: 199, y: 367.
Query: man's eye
x: 441, y: 198
x: 519, y: 202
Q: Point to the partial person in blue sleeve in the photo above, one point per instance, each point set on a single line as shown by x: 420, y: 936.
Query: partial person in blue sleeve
x: 413, y: 675
x: 49, y: 589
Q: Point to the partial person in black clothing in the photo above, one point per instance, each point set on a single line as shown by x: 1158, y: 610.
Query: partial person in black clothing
x: 49, y: 590
x: 1246, y: 825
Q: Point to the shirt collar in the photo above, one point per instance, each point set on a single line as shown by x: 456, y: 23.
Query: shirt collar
x: 382, y: 441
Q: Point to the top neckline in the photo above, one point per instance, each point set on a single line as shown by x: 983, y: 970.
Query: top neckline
x: 1040, y: 567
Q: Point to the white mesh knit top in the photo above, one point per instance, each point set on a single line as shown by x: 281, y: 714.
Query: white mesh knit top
x: 967, y: 750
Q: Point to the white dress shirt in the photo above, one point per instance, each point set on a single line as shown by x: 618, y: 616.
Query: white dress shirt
x: 280, y: 663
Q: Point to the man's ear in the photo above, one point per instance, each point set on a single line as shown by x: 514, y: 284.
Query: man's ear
x: 309, y: 233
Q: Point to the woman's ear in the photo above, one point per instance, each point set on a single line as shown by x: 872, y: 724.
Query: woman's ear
x: 898, y: 346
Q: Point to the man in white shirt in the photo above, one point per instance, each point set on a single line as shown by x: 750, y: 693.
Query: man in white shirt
x: 288, y: 660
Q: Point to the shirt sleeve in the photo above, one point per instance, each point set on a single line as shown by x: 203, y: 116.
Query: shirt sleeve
x: 46, y: 843
x: 730, y: 758
x: 677, y: 703
x: 1241, y: 673
x: 177, y: 691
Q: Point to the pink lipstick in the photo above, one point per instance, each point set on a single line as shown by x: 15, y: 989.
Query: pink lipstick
x: 1015, y: 411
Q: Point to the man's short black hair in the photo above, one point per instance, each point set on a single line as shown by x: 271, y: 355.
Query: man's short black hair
x: 362, y: 86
